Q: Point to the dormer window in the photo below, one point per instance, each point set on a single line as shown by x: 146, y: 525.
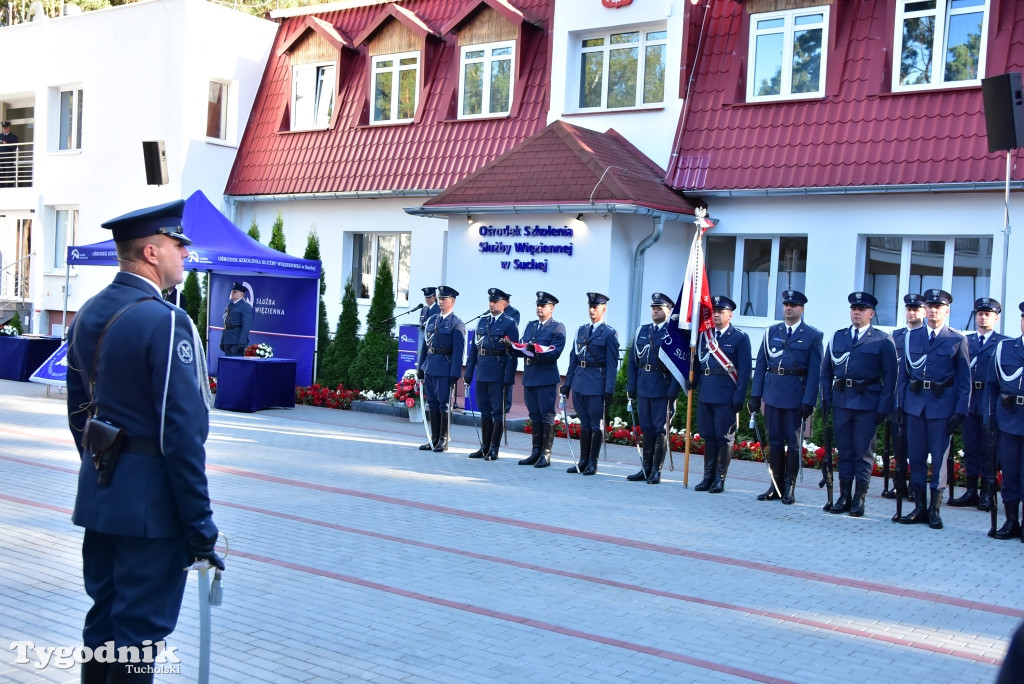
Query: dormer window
x: 312, y: 96
x: 787, y: 59
x: 622, y: 69
x: 940, y: 43
x: 486, y: 83
x: 396, y: 86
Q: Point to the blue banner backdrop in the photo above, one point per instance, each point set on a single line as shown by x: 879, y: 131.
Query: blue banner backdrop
x: 284, y: 317
x: 408, y: 349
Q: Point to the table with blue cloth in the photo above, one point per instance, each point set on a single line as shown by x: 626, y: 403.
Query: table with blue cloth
x: 21, y: 356
x: 246, y: 383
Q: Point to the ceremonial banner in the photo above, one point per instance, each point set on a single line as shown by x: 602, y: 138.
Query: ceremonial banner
x: 691, y: 312
x: 54, y: 370
x: 408, y: 348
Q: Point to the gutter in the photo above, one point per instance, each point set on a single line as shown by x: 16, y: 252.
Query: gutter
x: 638, y: 271
x: 573, y: 208
x: 355, y: 194
x: 860, y: 189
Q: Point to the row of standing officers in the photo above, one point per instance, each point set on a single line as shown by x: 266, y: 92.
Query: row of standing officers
x: 926, y: 379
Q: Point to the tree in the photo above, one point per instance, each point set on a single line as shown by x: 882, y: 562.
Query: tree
x: 204, y: 307
x: 323, y: 338
x: 343, y: 350
x: 15, y: 323
x: 254, y: 230
x: 373, y: 368
x: 277, y: 234
x: 193, y: 298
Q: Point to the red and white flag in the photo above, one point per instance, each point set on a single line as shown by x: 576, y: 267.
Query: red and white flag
x: 523, y: 348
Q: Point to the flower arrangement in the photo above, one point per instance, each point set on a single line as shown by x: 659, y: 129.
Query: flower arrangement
x: 8, y: 331
x: 406, y: 391
x: 317, y: 395
x: 213, y: 385
x: 261, y: 351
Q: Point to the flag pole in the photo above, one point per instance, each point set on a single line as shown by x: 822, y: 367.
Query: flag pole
x: 695, y: 312
x: 689, y: 418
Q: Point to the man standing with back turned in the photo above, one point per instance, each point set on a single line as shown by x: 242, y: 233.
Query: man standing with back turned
x: 136, y: 365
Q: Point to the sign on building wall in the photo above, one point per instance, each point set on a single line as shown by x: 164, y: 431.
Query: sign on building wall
x: 527, y: 248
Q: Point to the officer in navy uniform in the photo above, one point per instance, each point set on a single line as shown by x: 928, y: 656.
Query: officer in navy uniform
x: 8, y: 155
x: 914, y: 316
x: 653, y: 388
x: 721, y: 394
x: 858, y: 385
x: 135, y: 362
x: 494, y: 368
x: 786, y: 380
x: 440, y: 365
x: 237, y: 323
x: 935, y: 393
x: 429, y: 305
x: 544, y: 339
x: 1004, y: 409
x: 593, y: 363
x: 513, y: 313
x: 977, y: 441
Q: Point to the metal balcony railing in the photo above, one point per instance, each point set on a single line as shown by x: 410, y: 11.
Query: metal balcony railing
x: 16, y: 165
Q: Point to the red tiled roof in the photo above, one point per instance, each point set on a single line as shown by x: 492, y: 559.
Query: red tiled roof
x: 566, y: 164
x: 859, y: 134
x: 430, y: 154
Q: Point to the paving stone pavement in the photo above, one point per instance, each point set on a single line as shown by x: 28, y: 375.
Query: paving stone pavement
x: 357, y: 557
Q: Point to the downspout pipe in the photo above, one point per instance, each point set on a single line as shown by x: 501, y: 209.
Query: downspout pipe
x: 636, y: 291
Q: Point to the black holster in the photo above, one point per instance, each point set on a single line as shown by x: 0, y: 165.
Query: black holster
x: 103, y: 441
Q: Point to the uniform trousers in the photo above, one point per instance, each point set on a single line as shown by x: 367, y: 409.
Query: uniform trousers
x: 927, y: 436
x: 717, y: 426
x: 490, y: 399
x: 590, y: 409
x: 653, y: 413
x: 1011, y: 457
x: 438, y: 390
x: 541, y: 403
x: 783, y: 428
x: 854, y: 433
x: 977, y: 442
x: 136, y: 585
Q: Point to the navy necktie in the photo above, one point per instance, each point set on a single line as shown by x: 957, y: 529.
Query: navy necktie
x: 856, y: 334
x: 789, y: 332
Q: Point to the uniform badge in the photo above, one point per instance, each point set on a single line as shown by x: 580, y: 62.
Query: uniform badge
x: 185, y: 354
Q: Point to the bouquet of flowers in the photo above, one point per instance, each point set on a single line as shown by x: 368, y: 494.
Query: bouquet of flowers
x: 8, y: 331
x: 261, y: 350
x: 406, y: 390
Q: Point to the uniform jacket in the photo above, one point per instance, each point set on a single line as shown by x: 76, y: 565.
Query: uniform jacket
x: 147, y: 355
x: 944, y: 360
x: 443, y: 346
x: 800, y: 352
x: 428, y: 311
x: 872, y: 358
x: 1010, y: 353
x: 647, y: 376
x: 720, y: 389
x: 542, y: 369
x: 513, y: 313
x: 489, y: 359
x: 237, y: 323
x: 594, y: 360
x: 981, y: 359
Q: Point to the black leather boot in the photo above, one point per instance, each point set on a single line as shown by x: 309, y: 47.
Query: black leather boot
x: 710, y: 468
x: 985, y: 496
x: 857, y: 505
x: 442, y: 439
x: 970, y: 497
x: 584, y: 453
x: 724, y: 457
x: 596, y: 440
x: 94, y: 672
x: 645, y: 462
x: 129, y: 673
x: 435, y: 430
x: 486, y: 426
x: 773, y: 461
x: 545, y: 448
x: 920, y: 512
x: 842, y: 505
x: 538, y: 437
x: 934, y: 519
x: 789, y: 491
x: 660, y: 447
x: 1011, y: 528
x: 496, y: 433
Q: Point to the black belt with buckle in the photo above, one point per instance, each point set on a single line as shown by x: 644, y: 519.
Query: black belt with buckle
x: 655, y: 367
x: 714, y: 371
x: 492, y: 352
x: 979, y: 384
x: 140, y: 446
x: 594, y: 364
x: 936, y: 386
x: 1011, y: 400
x: 842, y: 384
x: 439, y: 350
x: 800, y: 372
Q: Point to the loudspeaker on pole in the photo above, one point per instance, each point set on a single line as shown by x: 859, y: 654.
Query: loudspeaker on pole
x: 1004, y: 111
x: 155, y: 157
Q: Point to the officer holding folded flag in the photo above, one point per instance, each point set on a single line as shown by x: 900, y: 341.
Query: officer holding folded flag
x: 786, y: 380
x: 653, y: 388
x: 1004, y: 406
x: 440, y: 365
x: 593, y: 363
x: 935, y: 392
x: 494, y: 368
x: 542, y: 344
x: 723, y: 374
x: 858, y: 384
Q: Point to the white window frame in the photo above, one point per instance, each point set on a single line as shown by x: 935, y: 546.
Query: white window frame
x: 579, y: 50
x: 788, y: 31
x: 323, y: 74
x: 942, y: 12
x: 396, y: 276
x: 488, y: 60
x: 394, y: 70
x: 63, y: 233
x: 228, y: 114
x: 74, y: 143
x: 773, y: 289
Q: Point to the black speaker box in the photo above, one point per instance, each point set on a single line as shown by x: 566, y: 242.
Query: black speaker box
x: 1004, y: 111
x: 156, y: 162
